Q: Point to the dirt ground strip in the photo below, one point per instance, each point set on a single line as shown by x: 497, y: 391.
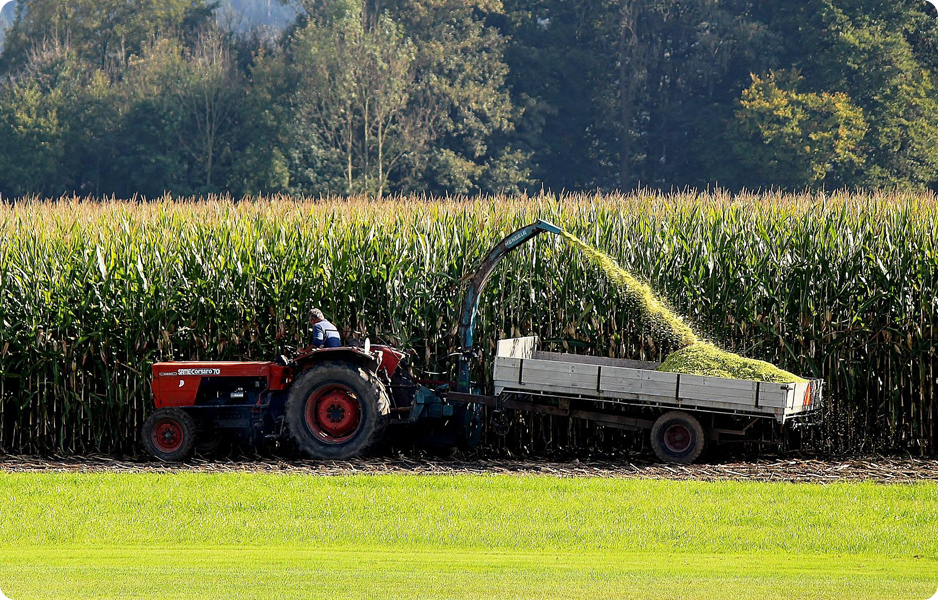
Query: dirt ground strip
x: 880, y: 469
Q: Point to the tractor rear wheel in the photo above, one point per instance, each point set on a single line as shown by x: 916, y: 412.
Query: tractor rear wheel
x: 337, y: 411
x: 169, y: 434
x: 678, y: 437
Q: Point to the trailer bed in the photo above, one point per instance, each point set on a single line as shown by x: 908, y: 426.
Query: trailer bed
x: 520, y: 368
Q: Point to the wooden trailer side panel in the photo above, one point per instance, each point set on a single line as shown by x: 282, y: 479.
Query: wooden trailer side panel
x: 507, y: 373
x: 638, y: 384
x: 560, y: 377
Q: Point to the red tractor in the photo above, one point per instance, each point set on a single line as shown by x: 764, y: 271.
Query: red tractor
x: 333, y: 402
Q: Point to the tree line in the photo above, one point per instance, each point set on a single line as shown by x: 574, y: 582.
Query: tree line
x: 125, y: 97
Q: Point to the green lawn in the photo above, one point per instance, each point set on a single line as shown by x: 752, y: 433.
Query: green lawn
x: 250, y: 535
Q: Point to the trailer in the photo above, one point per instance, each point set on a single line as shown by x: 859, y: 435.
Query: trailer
x: 683, y: 412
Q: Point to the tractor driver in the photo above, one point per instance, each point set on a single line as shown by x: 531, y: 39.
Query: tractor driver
x: 325, y: 335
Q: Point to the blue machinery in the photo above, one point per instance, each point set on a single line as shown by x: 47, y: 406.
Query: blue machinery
x: 467, y: 318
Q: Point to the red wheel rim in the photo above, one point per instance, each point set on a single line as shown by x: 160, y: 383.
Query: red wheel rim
x: 333, y: 414
x: 168, y: 435
x: 677, y: 438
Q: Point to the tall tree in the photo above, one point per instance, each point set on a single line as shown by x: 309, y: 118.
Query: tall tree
x: 99, y: 31
x: 619, y: 93
x: 631, y: 74
x: 33, y: 125
x: 557, y: 72
x: 357, y: 103
x: 208, y: 90
x: 147, y: 150
x: 55, y: 126
x: 880, y: 56
x: 460, y: 65
x: 791, y: 139
x: 262, y: 145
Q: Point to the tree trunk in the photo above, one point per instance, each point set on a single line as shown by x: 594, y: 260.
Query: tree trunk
x: 371, y: 12
x: 628, y: 42
x: 366, y: 147
x: 348, y: 155
x: 349, y: 141
x: 209, y: 165
x: 380, y: 159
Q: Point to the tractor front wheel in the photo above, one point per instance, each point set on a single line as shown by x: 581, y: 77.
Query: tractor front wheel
x: 169, y: 434
x: 337, y: 411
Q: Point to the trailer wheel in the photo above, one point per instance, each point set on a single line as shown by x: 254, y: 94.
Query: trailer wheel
x: 678, y: 437
x: 169, y: 434
x: 337, y: 411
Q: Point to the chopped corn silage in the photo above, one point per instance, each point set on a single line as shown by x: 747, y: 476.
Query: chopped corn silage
x: 662, y: 320
x: 694, y: 357
x: 703, y: 358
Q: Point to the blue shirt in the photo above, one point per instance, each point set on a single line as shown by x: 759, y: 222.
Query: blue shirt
x: 325, y: 334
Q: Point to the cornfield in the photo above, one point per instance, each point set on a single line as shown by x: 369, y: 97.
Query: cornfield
x: 91, y: 293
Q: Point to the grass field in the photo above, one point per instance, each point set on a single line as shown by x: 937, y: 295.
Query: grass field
x: 255, y: 535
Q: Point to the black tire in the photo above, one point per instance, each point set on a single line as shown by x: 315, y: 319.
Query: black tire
x: 209, y: 442
x: 356, y: 386
x: 678, y: 437
x: 169, y: 434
